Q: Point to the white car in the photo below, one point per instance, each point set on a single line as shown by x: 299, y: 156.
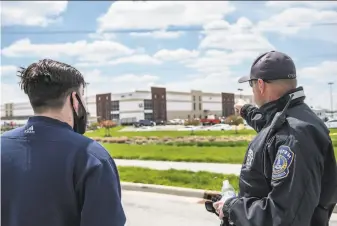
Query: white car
x: 189, y: 128
x: 219, y: 127
x: 331, y: 124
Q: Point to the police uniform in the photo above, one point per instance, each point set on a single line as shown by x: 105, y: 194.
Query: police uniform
x: 289, y: 174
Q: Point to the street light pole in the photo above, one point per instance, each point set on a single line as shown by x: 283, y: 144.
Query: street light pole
x: 240, y: 90
x: 331, y: 105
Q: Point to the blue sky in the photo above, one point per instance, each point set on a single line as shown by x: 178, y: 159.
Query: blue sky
x: 123, y: 46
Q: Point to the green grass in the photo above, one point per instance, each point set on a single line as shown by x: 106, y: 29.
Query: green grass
x: 116, y: 133
x: 177, y: 178
x: 175, y: 153
x: 232, y: 155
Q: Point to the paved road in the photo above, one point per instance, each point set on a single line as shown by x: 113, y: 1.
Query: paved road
x: 192, y: 166
x: 151, y: 209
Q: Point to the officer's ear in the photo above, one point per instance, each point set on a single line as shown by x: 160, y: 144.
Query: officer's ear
x: 261, y: 86
x: 74, y: 101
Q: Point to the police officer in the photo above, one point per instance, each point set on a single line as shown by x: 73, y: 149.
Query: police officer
x: 289, y: 174
x: 50, y: 173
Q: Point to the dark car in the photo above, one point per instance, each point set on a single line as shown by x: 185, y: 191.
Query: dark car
x: 144, y: 122
x: 160, y: 122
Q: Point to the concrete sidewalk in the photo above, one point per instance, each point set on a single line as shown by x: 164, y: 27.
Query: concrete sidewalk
x: 191, y: 166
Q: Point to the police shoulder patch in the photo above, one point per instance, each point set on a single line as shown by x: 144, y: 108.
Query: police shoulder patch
x: 282, y: 163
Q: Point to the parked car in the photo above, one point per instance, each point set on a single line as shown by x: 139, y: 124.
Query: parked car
x: 218, y: 127
x: 160, y: 122
x: 144, y: 122
x: 189, y: 128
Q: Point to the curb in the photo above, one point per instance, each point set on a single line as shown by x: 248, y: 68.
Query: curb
x: 161, y: 189
x: 187, y: 192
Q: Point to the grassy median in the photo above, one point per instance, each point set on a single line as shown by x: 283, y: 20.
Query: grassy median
x: 176, y: 153
x: 177, y: 178
x: 116, y: 133
x: 232, y: 155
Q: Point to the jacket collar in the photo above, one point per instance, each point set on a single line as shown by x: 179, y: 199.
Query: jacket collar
x: 271, y: 108
x: 47, y: 121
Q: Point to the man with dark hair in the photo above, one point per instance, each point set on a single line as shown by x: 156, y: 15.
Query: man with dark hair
x: 289, y: 174
x: 52, y: 174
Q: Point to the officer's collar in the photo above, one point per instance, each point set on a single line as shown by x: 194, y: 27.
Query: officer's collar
x: 278, y: 105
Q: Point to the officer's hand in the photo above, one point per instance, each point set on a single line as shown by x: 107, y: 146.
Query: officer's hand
x: 218, y: 206
x: 238, y: 105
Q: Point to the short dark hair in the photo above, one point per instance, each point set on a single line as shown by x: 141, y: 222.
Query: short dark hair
x: 48, y: 82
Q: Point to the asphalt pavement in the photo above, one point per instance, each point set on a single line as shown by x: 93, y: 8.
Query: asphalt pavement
x: 152, y: 209
x: 192, y: 166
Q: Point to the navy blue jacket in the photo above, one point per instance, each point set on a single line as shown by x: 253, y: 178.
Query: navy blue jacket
x: 52, y: 176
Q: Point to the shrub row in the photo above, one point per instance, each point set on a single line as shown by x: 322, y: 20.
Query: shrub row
x: 207, y: 141
x: 210, y: 144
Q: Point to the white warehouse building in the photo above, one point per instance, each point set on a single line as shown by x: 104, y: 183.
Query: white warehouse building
x: 156, y: 104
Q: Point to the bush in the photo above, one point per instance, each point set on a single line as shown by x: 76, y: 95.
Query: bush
x: 234, y: 120
x: 193, y: 122
x: 6, y: 128
x: 93, y: 126
x: 107, y: 125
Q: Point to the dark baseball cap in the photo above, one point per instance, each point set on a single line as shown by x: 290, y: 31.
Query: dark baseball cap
x: 271, y: 65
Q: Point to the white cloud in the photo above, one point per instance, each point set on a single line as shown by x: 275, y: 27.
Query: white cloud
x: 161, y: 15
x: 31, y: 13
x: 102, y: 36
x: 100, y: 83
x: 141, y: 59
x: 312, y: 4
x: 241, y: 36
x: 292, y: 20
x: 11, y: 93
x: 158, y: 34
x: 176, y: 55
x: 8, y: 70
x: 214, y: 82
x: 216, y: 61
x: 136, y: 59
x: 82, y: 50
x: 324, y: 72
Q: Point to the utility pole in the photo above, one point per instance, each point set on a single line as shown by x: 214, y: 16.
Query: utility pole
x: 331, y: 105
x: 240, y: 90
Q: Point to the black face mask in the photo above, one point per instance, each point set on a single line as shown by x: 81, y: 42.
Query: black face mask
x: 80, y: 118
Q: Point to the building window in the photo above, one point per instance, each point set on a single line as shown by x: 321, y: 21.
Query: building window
x: 193, y: 116
x: 148, y: 116
x: 194, y: 106
x: 147, y: 104
x: 115, y: 105
x: 162, y: 96
x: 199, y: 98
x: 193, y: 98
x: 115, y: 116
x: 199, y: 106
x: 99, y: 98
x: 188, y: 116
x: 107, y: 97
x: 155, y: 96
